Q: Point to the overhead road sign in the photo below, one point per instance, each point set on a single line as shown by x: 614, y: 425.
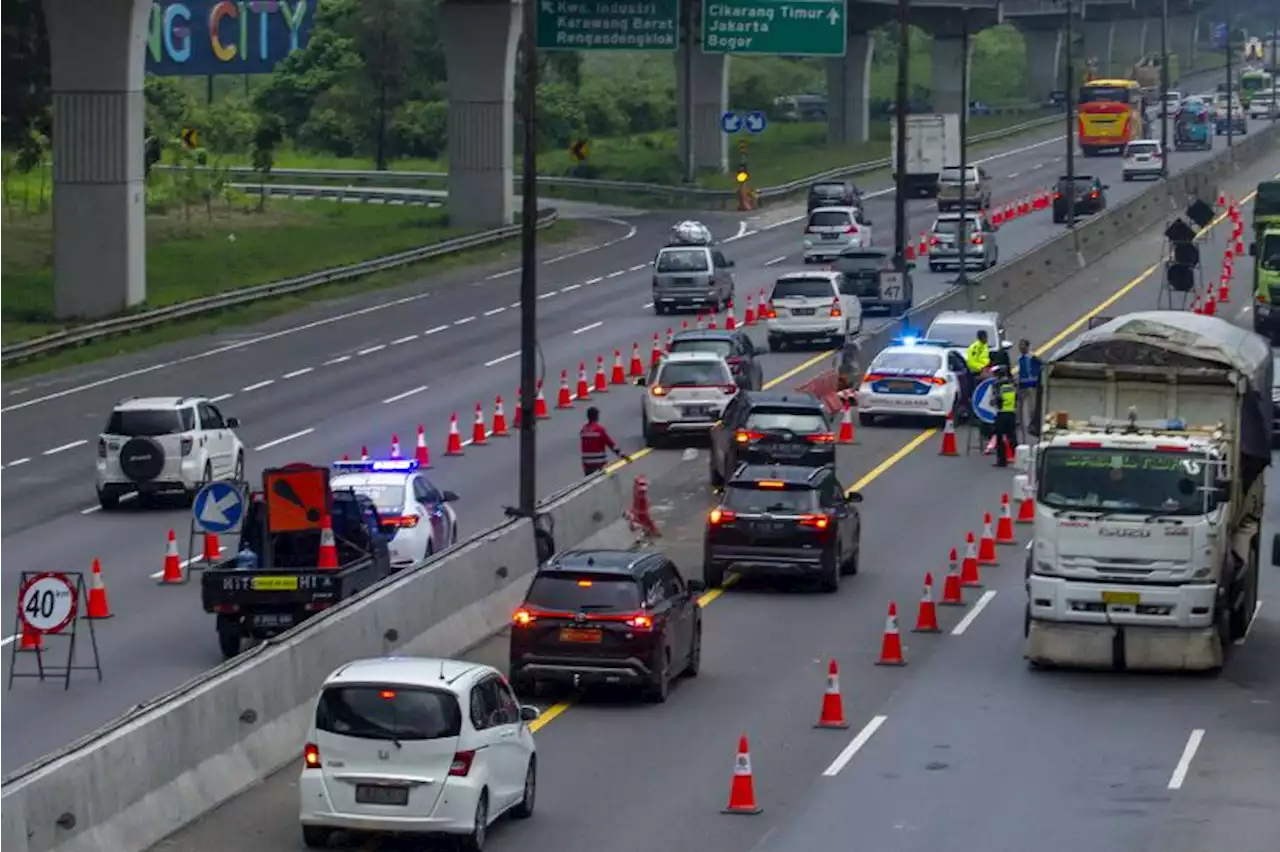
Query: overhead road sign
x: 218, y: 508
x: 608, y: 24
x: 777, y: 27
x: 984, y: 401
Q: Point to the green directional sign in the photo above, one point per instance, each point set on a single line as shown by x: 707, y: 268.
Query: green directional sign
x: 787, y: 27
x: 608, y: 24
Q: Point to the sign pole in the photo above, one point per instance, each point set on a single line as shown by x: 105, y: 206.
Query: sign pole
x: 529, y: 265
x: 690, y: 161
x: 900, y: 148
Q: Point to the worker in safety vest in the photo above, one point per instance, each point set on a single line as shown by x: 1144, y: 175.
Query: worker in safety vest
x: 595, y: 442
x: 976, y: 358
x: 1006, y: 425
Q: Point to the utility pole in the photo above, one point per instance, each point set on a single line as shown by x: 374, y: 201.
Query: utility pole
x: 1231, y: 131
x: 1164, y: 88
x: 1069, y: 92
x: 529, y: 264
x: 900, y: 147
x: 690, y: 162
x: 963, y: 279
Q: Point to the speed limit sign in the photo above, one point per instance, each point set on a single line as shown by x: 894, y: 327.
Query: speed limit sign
x: 47, y: 603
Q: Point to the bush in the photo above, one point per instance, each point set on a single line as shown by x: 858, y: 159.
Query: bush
x: 421, y: 129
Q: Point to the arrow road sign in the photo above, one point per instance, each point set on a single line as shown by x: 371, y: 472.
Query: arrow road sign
x: 218, y: 508
x: 730, y: 122
x: 756, y: 121
x: 984, y: 401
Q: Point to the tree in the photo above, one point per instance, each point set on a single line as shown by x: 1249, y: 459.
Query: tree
x: 24, y: 80
x: 380, y: 40
x: 268, y: 134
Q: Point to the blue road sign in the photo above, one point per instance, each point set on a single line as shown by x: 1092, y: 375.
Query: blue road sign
x: 756, y: 121
x: 730, y: 122
x: 1219, y: 35
x: 984, y: 401
x: 218, y: 508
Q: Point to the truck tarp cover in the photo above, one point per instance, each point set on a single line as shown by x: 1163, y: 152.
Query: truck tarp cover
x: 1182, y: 339
x: 1268, y: 201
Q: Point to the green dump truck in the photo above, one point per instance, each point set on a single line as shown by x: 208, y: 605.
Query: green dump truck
x: 1265, y: 251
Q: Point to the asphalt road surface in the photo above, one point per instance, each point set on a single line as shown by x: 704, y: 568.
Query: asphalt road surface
x: 326, y: 381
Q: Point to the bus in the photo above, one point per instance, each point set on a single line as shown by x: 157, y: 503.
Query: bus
x: 1109, y: 115
x: 1254, y: 81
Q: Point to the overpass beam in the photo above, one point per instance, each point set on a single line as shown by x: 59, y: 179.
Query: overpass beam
x: 1044, y: 62
x: 99, y: 198
x: 1098, y: 38
x: 848, y: 92
x: 480, y: 40
x: 1130, y: 42
x: 949, y: 63
x: 710, y: 92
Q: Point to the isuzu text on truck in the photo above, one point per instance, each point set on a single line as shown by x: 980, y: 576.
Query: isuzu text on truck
x: 1149, y: 491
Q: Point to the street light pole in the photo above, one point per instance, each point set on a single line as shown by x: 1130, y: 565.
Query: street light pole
x: 963, y: 279
x: 690, y: 162
x: 529, y: 264
x: 1231, y: 132
x: 1164, y: 87
x: 1069, y: 96
x: 900, y: 146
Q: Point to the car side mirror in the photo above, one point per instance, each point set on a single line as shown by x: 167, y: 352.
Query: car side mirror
x: 529, y: 713
x: 234, y: 422
x: 729, y: 264
x: 853, y: 497
x: 696, y: 587
x: 450, y: 496
x: 640, y: 382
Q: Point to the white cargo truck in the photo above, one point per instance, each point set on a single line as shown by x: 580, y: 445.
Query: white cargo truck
x: 933, y: 143
x: 1148, y: 488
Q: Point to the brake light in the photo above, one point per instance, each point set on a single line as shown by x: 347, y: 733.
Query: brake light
x: 976, y: 239
x: 187, y: 444
x: 523, y: 618
x: 1057, y: 195
x: 771, y: 483
x: 640, y: 622
x: 932, y: 380
x: 311, y: 756
x: 722, y: 516
x: 933, y: 241
x: 821, y: 438
x: 734, y: 361
x: 729, y: 389
x: 462, y: 761
x: 852, y: 229
x: 1170, y: 448
x: 1263, y: 298
x: 1086, y: 445
x: 871, y: 377
x: 387, y: 694
x: 818, y: 522
x: 835, y: 309
x: 658, y: 390
x: 102, y: 448
x: 768, y: 311
x: 406, y: 522
x: 1093, y: 194
x: 742, y: 436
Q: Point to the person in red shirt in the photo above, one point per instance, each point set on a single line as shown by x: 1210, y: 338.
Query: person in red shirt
x: 595, y: 442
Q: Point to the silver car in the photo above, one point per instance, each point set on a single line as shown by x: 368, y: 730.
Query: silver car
x: 981, y: 250
x: 831, y: 230
x: 691, y: 277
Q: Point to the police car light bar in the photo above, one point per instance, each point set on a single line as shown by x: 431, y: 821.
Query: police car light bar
x: 378, y: 465
x: 920, y: 341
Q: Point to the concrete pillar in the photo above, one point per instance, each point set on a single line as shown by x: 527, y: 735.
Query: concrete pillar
x: 1129, y: 44
x: 949, y: 62
x: 1044, y: 63
x: 1097, y: 36
x: 710, y: 100
x: 1182, y: 40
x: 848, y: 92
x: 480, y: 40
x: 99, y: 237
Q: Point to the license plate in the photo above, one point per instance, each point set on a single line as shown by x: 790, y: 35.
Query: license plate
x: 683, y: 280
x: 1122, y: 598
x: 700, y: 412
x: 376, y: 794
x: 273, y: 620
x: 803, y: 312
x: 901, y: 386
x: 580, y: 635
x: 274, y: 584
x: 770, y: 526
x: 830, y: 236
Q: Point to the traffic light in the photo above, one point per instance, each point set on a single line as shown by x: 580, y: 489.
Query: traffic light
x: 743, y: 175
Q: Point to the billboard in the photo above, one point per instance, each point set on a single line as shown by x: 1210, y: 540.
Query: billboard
x: 210, y: 37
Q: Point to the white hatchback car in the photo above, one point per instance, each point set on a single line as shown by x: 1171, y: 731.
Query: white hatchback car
x: 1143, y: 158
x: 687, y: 394
x: 409, y: 745
x: 414, y: 511
x: 831, y: 230
x: 811, y: 306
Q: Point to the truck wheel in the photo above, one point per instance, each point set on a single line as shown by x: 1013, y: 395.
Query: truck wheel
x: 316, y: 836
x: 1242, y: 615
x: 229, y: 642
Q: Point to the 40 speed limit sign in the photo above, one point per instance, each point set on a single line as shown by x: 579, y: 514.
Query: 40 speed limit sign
x: 47, y: 602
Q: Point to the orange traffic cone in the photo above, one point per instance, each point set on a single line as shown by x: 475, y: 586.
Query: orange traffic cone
x: 1224, y: 291
x: 891, y: 644
x: 601, y: 383
x: 742, y: 791
x: 172, y: 574
x: 923, y: 248
x: 729, y: 322
x: 952, y: 594
x: 987, y: 544
x: 540, y: 405
x: 1210, y: 305
x: 395, y: 446
x: 584, y: 389
x: 566, y: 396
x: 1026, y: 511
x: 619, y: 376
x: 846, y: 425
x: 910, y: 253
x: 31, y: 639
x: 655, y: 355
x: 1222, y: 200
x: 1004, y: 527
x: 637, y: 365
x: 212, y: 549
x: 328, y: 558
x: 832, y: 715
x: 927, y: 616
x: 420, y: 452
x: 702, y: 322
x: 454, y: 446
x: 949, y: 437
x: 969, y: 567
x: 98, y: 607
x: 749, y: 318
x: 479, y: 434
x: 499, y: 419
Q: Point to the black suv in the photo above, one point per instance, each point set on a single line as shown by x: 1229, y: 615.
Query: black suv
x: 834, y: 193
x: 734, y: 346
x: 596, y: 617
x: 782, y: 519
x: 771, y: 427
x: 1090, y: 197
x: 862, y: 269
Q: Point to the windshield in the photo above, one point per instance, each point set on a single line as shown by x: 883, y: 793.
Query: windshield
x: 750, y: 500
x: 952, y: 226
x: 800, y: 422
x: 694, y: 374
x: 829, y: 219
x: 1105, y: 94
x: 388, y: 712
x: 952, y: 175
x: 828, y: 190
x: 809, y: 288
x: 925, y: 363
x: 1251, y: 82
x: 564, y: 592
x: 683, y: 260
x: 1140, y: 481
x: 1269, y: 253
x: 960, y: 334
x: 138, y: 422
x: 388, y: 498
x: 723, y: 348
x: 1141, y: 148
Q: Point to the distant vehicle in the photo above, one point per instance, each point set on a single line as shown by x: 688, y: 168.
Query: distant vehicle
x: 834, y: 193
x: 977, y: 189
x: 980, y: 251
x: 831, y: 230
x: 1254, y: 82
x: 811, y: 306
x: 735, y: 347
x: 800, y: 108
x: 1109, y: 115
x: 1263, y: 106
x: 1236, y: 124
x: 961, y: 328
x: 913, y: 378
x: 771, y: 427
x: 933, y: 141
x: 691, y: 276
x: 1143, y: 158
x: 870, y: 276
x: 1147, y: 71
x: 1193, y: 126
x: 687, y: 393
x: 1265, y: 251
x: 1275, y: 400
x: 1090, y: 196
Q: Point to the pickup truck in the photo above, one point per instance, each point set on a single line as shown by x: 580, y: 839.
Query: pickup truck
x: 261, y: 592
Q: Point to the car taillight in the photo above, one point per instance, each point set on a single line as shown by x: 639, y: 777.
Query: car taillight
x: 658, y: 390
x: 742, y: 436
x: 1057, y: 196
x: 933, y: 241
x: 932, y: 380
x: 817, y: 522
x: 408, y: 522
x: 1093, y: 194
x: 976, y: 239
x: 1157, y: 156
x: 735, y: 361
x: 730, y: 389
x: 835, y: 308
x: 639, y: 622
x: 187, y: 444
x: 871, y: 377
x: 852, y: 229
x: 311, y: 756
x: 462, y: 761
x: 722, y: 516
x: 102, y: 448
x: 523, y: 617
x: 768, y: 311
x: 821, y: 438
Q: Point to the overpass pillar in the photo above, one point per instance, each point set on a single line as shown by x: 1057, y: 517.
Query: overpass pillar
x: 1129, y: 44
x: 1182, y: 40
x: 480, y: 40
x: 99, y: 198
x: 949, y: 63
x: 1098, y: 38
x: 710, y: 100
x: 848, y: 92
x: 1044, y: 63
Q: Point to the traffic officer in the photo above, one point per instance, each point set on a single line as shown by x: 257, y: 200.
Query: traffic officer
x: 1029, y: 367
x: 595, y: 441
x: 1006, y: 425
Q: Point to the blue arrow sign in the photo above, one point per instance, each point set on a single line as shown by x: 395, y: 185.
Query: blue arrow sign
x: 984, y: 401
x: 756, y: 122
x: 730, y: 122
x: 218, y: 508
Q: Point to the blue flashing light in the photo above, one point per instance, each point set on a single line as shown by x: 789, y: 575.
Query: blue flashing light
x: 378, y: 465
x: 912, y: 340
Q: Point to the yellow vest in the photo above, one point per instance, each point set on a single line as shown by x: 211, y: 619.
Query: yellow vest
x: 1008, y: 392
x: 977, y: 356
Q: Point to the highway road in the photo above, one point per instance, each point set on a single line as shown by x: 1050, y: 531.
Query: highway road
x: 324, y: 382
x: 966, y: 748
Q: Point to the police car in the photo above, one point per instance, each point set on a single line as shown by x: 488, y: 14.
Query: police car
x: 912, y: 377
x: 413, y: 510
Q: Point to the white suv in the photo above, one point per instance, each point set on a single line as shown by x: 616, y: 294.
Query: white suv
x: 169, y: 444
x: 687, y: 394
x: 811, y: 305
x: 1143, y: 157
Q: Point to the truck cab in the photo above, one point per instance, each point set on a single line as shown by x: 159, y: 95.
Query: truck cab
x: 1265, y: 252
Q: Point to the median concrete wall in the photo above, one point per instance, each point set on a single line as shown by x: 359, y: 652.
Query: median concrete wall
x: 134, y: 782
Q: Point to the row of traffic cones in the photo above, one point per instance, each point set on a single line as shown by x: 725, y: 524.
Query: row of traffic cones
x: 1205, y: 304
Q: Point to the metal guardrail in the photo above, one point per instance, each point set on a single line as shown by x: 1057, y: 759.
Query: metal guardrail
x: 362, y: 194
x: 131, y: 323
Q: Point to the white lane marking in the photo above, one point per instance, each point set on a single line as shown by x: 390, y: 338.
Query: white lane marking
x: 647, y: 305
x: 1184, y: 763
x: 91, y: 510
x: 17, y: 462
x: 1257, y: 608
x: 775, y: 261
x: 436, y: 330
x: 546, y: 295
x: 1013, y: 174
x: 296, y: 373
x: 620, y: 272
x: 502, y: 358
x: 257, y: 385
x: 372, y: 349
x: 464, y: 320
x: 596, y: 324
x: 742, y: 232
x: 569, y: 288
x: 689, y: 454
x: 854, y: 746
x: 487, y: 434
x: 337, y: 360
x: 407, y: 338
x: 222, y: 396
x: 70, y: 446
x: 7, y: 640
x: 978, y: 607
x: 514, y: 304
x: 638, y: 267
x: 278, y: 441
x: 494, y: 312
x: 495, y: 276
x: 400, y: 396
x: 595, y: 280
x: 188, y: 562
x: 631, y: 232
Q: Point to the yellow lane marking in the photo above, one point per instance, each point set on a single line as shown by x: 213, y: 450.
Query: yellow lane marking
x: 548, y: 716
x: 902, y: 452
x: 799, y: 368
